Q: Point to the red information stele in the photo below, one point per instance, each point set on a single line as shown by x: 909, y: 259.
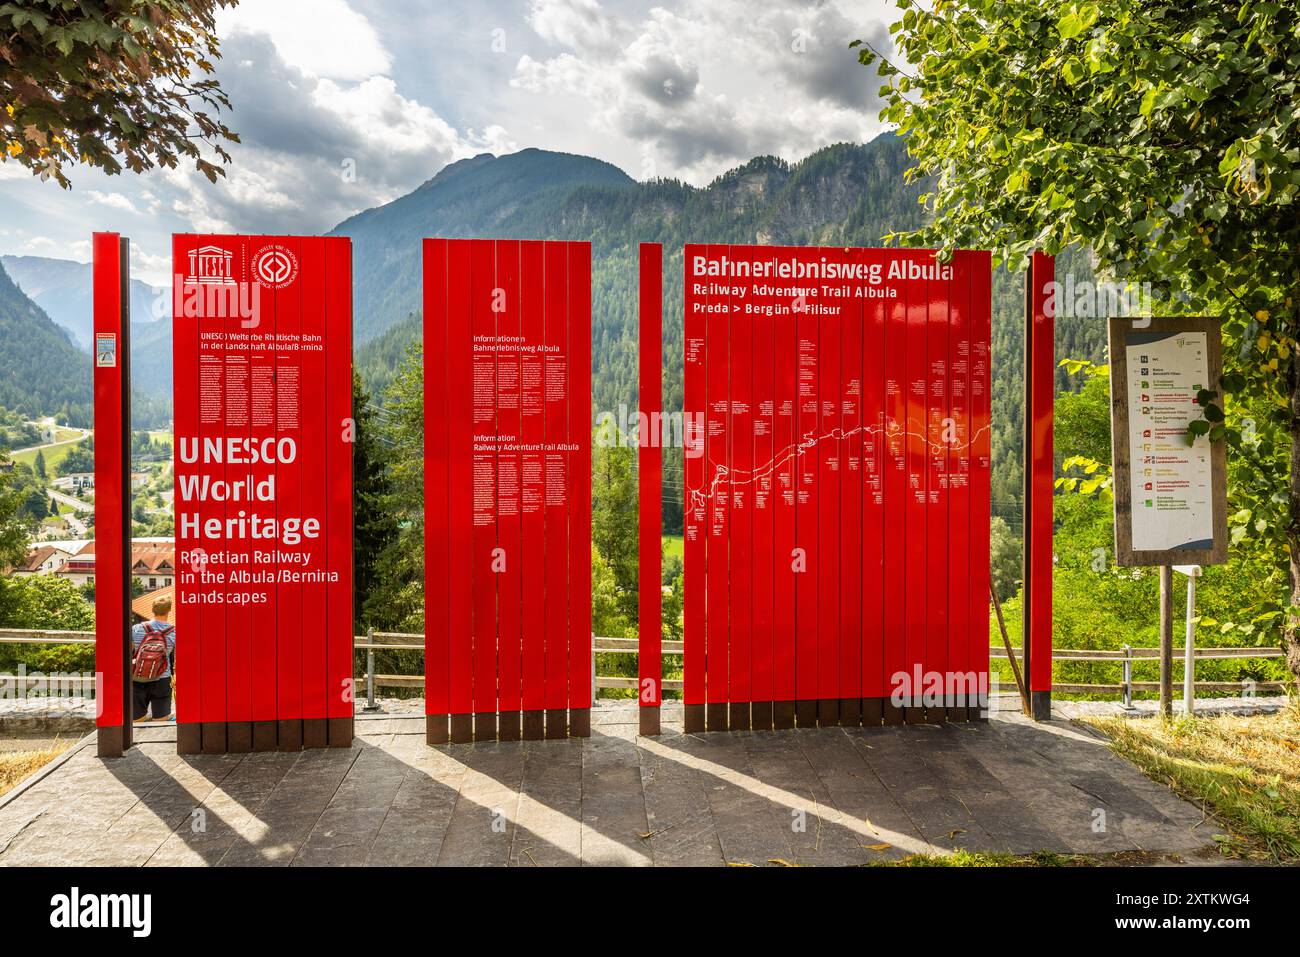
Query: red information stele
x: 836, y: 512
x: 262, y: 348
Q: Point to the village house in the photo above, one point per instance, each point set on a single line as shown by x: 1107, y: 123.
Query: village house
x: 153, y: 562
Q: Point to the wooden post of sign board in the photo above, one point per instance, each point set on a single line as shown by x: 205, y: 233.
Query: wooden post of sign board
x: 1166, y: 641
x: 112, y: 388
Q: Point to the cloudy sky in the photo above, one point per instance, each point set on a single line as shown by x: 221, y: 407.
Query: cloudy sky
x: 347, y: 104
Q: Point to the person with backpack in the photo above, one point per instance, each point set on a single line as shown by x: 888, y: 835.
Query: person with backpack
x: 153, y: 645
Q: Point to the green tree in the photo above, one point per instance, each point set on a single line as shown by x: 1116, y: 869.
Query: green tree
x: 374, y: 523
x: 1004, y: 558
x: 111, y: 84
x: 38, y: 466
x: 1162, y: 135
x: 614, y: 512
x: 395, y: 600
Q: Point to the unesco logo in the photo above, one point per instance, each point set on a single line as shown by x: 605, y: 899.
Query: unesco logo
x: 275, y: 266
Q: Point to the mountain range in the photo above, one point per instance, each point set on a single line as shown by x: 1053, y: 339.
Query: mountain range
x: 846, y: 194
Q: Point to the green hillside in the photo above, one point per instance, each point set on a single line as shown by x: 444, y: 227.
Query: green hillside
x: 41, y: 371
x: 847, y: 194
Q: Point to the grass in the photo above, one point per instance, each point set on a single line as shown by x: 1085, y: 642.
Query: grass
x: 1243, y: 770
x: 54, y: 454
x: 673, y: 546
x: 16, y: 766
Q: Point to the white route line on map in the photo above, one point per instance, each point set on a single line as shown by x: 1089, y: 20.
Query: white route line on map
x: 699, y: 499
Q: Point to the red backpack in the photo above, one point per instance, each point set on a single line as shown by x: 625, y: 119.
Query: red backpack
x: 150, y: 659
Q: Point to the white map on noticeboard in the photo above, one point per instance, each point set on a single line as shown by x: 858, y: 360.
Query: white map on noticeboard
x: 1173, y: 507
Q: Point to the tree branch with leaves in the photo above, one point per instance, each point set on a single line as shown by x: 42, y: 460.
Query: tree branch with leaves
x: 111, y: 84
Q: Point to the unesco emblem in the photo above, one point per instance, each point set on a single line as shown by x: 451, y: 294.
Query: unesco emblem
x: 275, y: 266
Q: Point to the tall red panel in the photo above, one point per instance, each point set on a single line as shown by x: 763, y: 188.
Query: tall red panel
x: 649, y: 487
x: 263, y: 378
x: 437, y: 529
x: 508, y: 362
x: 838, y: 393
x: 112, y: 493
x: 1040, y: 363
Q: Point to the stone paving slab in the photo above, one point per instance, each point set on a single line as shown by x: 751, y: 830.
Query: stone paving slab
x: 833, y: 796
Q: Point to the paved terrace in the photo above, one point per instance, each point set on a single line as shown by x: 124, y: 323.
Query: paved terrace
x: 865, y: 795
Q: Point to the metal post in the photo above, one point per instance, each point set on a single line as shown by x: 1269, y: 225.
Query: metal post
x: 370, y: 671
x: 1127, y: 693
x: 1189, y: 647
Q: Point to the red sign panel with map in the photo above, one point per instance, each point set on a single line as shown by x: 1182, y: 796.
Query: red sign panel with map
x: 262, y: 342
x: 837, y: 486
x: 507, y: 378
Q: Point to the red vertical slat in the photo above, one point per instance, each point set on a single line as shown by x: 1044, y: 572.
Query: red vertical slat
x: 263, y: 654
x: 807, y: 593
x: 556, y: 375
x: 915, y: 591
x: 829, y: 575
x: 937, y: 425
x: 740, y: 453
x: 338, y: 465
x: 785, y: 489
x: 882, y: 470
x: 851, y: 485
x: 317, y: 426
x: 981, y: 446
x: 717, y: 403
x: 437, y: 529
x: 483, y: 295
x: 289, y: 415
x: 650, y: 486
x: 763, y: 505
x: 959, y: 483
x: 533, y: 481
x: 460, y: 486
x: 187, y: 447
x: 579, y: 467
x: 212, y: 424
x: 695, y: 515
x: 241, y: 332
x: 509, y: 491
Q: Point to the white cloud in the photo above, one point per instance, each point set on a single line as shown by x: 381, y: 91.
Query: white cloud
x: 708, y: 83
x: 111, y: 200
x: 325, y: 38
